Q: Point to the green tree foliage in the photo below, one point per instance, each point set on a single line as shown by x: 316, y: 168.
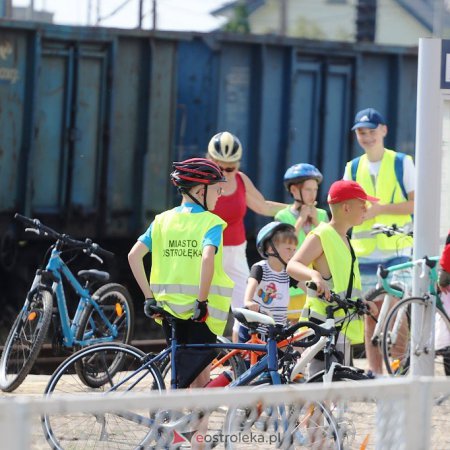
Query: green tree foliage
x: 308, y: 29
x: 239, y: 23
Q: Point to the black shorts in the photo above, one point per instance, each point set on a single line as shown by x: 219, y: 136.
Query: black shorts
x: 190, y: 332
x: 190, y: 362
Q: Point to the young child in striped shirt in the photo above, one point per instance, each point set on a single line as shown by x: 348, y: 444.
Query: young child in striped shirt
x: 268, y: 284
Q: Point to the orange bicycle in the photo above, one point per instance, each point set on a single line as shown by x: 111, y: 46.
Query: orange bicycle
x: 231, y: 357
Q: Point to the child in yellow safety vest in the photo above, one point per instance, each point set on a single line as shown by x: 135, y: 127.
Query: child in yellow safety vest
x: 302, y: 182
x: 187, y: 278
x: 326, y: 257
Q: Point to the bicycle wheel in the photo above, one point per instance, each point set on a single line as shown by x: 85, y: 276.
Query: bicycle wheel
x: 300, y: 425
x: 235, y: 365
x: 126, y: 429
x: 359, y: 350
x: 352, y: 432
x: 117, y: 305
x: 25, y: 340
x: 397, y: 342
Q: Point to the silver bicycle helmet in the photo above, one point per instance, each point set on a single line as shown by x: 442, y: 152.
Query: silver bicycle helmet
x: 225, y: 147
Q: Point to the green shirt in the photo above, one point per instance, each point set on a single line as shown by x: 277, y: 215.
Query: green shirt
x: 287, y: 216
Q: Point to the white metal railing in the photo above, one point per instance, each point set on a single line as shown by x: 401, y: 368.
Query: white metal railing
x: 405, y: 408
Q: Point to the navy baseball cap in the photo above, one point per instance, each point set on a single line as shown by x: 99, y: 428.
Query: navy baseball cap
x: 368, y: 118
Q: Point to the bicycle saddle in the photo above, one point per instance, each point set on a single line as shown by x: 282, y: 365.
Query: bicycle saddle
x: 248, y: 317
x: 93, y: 275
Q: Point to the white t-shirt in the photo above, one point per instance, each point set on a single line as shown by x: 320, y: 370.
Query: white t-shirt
x: 409, y: 179
x: 272, y: 293
x: 409, y: 173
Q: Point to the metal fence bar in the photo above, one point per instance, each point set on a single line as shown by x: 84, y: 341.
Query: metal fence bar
x: 404, y: 406
x: 419, y: 408
x: 15, y: 423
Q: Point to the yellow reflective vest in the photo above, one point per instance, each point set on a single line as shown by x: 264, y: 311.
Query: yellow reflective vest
x: 339, y: 260
x: 388, y: 190
x: 176, y: 264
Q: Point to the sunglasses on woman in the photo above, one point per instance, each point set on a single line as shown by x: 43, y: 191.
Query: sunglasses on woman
x: 227, y: 169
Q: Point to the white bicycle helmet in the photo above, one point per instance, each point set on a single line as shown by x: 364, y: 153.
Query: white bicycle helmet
x: 225, y: 147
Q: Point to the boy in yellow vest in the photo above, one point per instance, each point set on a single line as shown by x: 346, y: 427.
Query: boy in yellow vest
x: 389, y: 176
x: 187, y: 277
x: 302, y: 182
x: 326, y: 258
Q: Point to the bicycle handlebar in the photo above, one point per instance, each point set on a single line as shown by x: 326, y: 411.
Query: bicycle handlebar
x: 87, y: 245
x: 425, y: 261
x: 384, y: 272
x: 347, y: 303
x: 308, y: 341
x: 390, y: 230
x: 281, y: 332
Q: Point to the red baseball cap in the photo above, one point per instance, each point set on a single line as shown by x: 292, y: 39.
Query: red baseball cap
x: 347, y: 190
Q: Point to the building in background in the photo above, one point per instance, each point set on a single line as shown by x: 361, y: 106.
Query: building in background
x: 8, y: 11
x: 5, y: 8
x: 26, y: 13
x: 390, y: 22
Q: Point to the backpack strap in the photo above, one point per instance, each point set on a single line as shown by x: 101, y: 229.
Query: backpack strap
x: 354, y: 167
x: 350, y: 281
x: 398, y: 166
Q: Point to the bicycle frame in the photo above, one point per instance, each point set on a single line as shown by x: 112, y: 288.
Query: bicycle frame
x: 147, y: 366
x: 432, y: 274
x: 59, y: 270
x: 428, y: 297
x: 327, y: 343
x: 254, y: 339
x: 383, y: 280
x: 268, y: 363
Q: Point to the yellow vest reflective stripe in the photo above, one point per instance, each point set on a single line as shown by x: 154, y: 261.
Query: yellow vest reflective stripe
x: 176, y: 264
x: 339, y: 261
x: 181, y: 310
x: 190, y: 290
x: 388, y: 190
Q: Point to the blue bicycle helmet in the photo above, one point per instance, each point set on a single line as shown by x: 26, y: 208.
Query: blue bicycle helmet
x: 301, y: 172
x: 266, y: 233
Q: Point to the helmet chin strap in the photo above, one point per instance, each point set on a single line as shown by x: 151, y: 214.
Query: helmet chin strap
x: 275, y: 253
x: 204, y: 205
x: 301, y: 198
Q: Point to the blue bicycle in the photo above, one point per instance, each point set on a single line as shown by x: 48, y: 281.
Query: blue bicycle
x: 102, y: 316
x: 308, y: 425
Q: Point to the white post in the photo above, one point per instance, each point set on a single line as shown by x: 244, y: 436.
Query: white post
x: 418, y: 425
x: 428, y: 183
x: 15, y: 424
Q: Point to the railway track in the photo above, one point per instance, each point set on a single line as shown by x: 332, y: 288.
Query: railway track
x: 47, y: 361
